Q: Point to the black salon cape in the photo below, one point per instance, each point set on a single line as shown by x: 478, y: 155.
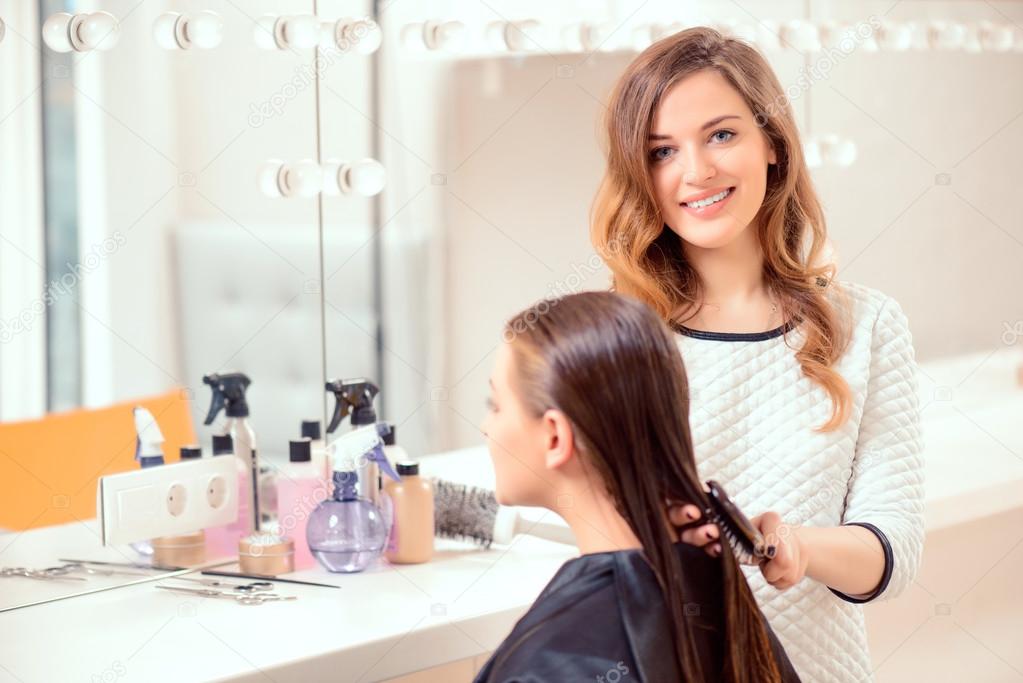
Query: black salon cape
x: 602, y: 618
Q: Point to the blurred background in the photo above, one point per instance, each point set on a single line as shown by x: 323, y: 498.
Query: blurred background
x: 177, y: 200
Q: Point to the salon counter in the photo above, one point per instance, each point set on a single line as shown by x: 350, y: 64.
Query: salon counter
x: 381, y: 623
x: 394, y: 620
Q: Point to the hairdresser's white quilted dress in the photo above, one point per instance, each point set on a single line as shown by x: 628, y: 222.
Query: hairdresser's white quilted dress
x: 752, y: 414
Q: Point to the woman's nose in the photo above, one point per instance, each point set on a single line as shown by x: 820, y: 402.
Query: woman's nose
x: 697, y: 167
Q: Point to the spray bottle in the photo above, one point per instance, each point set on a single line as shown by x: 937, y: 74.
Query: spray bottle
x: 355, y: 397
x: 148, y: 453
x: 229, y: 395
x: 347, y: 532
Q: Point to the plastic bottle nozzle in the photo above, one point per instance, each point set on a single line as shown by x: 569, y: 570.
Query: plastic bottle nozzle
x: 228, y: 390
x: 355, y: 397
x: 149, y: 438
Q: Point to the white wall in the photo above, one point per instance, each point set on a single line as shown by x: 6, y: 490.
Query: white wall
x: 521, y: 166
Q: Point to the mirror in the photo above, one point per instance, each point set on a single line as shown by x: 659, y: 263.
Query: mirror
x: 490, y: 135
x: 142, y: 251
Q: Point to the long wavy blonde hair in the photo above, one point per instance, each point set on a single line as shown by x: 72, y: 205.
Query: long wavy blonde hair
x: 646, y: 258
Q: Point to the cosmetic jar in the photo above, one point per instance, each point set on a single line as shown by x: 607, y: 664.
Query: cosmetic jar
x: 186, y: 550
x: 266, y: 554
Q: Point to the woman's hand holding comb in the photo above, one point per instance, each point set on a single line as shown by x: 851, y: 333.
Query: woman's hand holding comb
x: 784, y: 570
x: 791, y: 556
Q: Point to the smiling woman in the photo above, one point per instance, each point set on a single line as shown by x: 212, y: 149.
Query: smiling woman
x: 805, y: 384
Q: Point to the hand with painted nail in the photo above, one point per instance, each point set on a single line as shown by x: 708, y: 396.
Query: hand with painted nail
x: 685, y: 517
x: 791, y: 556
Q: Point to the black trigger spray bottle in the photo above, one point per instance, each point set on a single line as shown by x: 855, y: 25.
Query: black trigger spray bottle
x: 258, y: 552
x: 237, y: 439
x: 355, y: 397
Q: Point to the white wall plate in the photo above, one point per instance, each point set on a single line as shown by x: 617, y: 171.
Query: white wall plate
x: 168, y: 500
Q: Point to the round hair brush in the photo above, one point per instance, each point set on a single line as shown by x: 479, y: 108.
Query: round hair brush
x: 470, y: 513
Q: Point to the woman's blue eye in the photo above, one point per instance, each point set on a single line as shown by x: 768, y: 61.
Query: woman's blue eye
x: 659, y: 153
x: 662, y: 153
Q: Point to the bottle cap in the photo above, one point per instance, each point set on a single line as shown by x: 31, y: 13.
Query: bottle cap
x: 409, y: 467
x: 311, y: 428
x: 223, y: 444
x: 191, y: 452
x: 389, y: 436
x: 300, y: 450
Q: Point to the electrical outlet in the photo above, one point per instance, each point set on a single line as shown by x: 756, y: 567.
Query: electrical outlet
x: 168, y: 500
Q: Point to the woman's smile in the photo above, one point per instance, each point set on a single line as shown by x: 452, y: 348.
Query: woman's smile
x: 708, y: 206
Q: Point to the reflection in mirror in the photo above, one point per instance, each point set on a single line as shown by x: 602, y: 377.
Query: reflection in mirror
x: 159, y: 226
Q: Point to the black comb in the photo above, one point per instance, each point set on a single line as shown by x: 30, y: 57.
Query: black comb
x: 746, y: 541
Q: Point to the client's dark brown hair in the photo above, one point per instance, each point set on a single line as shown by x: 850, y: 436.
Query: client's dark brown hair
x: 613, y: 368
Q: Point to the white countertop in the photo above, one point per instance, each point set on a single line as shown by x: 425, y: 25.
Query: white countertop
x: 394, y: 620
x: 381, y: 623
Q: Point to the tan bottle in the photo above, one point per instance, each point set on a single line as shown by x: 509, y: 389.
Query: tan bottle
x: 411, y: 539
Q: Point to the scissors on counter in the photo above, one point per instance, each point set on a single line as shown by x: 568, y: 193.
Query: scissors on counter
x: 254, y: 587
x: 254, y: 598
x: 48, y: 573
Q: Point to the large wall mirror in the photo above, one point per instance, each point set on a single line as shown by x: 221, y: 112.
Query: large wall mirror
x: 146, y: 243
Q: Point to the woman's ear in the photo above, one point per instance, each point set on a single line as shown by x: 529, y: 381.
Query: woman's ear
x: 559, y: 444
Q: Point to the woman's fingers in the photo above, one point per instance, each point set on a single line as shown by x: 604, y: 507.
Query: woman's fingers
x: 701, y: 536
x: 680, y: 515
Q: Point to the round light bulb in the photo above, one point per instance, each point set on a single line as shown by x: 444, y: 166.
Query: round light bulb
x: 802, y: 36
x: 447, y: 35
x: 366, y: 177
x: 55, y: 32
x: 414, y: 36
x: 302, y: 179
x: 897, y: 37
x: 268, y: 177
x: 364, y: 36
x: 265, y: 32
x: 812, y: 153
x: 741, y: 31
x: 98, y: 31
x: 204, y: 30
x: 841, y: 153
x: 301, y: 31
x: 947, y: 35
x: 598, y: 37
x: 996, y: 37
x: 164, y: 31
x: 972, y: 40
x: 523, y: 36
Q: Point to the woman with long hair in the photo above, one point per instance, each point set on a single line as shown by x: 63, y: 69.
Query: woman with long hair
x: 588, y: 417
x: 805, y: 399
